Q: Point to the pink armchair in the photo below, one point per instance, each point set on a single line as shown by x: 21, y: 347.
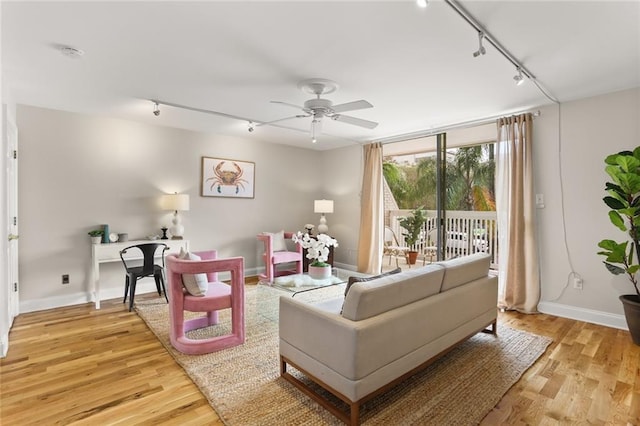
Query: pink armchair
x: 218, y: 296
x: 273, y: 258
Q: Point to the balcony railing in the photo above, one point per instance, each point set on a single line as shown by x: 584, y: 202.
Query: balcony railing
x: 466, y: 232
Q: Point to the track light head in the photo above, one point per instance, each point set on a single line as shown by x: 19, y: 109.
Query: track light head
x: 481, y: 50
x: 519, y: 78
x: 156, y: 109
x: 251, y: 127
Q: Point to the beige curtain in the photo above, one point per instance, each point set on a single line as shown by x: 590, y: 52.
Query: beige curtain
x: 371, y: 212
x: 518, y: 275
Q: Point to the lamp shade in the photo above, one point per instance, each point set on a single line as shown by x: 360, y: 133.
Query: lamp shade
x: 177, y: 202
x: 323, y: 206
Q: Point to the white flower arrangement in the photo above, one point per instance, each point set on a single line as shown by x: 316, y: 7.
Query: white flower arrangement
x: 317, y: 246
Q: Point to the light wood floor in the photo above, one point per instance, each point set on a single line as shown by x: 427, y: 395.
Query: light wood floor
x: 76, y: 365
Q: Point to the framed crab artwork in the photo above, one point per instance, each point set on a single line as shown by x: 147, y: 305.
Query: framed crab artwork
x: 222, y: 177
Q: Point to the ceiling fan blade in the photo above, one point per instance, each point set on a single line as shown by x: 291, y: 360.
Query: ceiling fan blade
x: 288, y: 104
x: 282, y: 119
x: 355, y: 121
x: 352, y: 106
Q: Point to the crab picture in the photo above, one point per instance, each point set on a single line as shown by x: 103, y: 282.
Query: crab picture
x: 227, y: 177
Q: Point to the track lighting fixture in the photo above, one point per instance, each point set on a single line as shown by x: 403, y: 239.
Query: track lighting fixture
x: 251, y: 127
x: 519, y: 78
x: 156, y: 109
x: 422, y: 3
x: 481, y: 50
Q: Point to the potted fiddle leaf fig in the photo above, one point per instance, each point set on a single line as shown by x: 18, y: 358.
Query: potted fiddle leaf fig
x: 413, y: 225
x: 623, y: 258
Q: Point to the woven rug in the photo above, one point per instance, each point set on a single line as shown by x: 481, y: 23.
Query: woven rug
x: 244, y: 387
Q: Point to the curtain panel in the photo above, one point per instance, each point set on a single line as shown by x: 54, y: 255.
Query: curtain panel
x: 370, y: 244
x: 518, y: 274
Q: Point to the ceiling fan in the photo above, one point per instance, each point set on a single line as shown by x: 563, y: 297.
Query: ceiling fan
x: 318, y: 108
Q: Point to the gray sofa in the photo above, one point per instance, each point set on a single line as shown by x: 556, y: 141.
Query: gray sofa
x: 385, y: 330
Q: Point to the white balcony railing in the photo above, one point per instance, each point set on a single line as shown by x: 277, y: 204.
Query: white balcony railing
x: 466, y: 232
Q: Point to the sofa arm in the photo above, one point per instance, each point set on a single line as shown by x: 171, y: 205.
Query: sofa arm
x: 325, y: 336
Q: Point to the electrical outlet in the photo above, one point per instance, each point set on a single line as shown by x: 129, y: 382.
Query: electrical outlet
x: 577, y: 283
x: 65, y: 279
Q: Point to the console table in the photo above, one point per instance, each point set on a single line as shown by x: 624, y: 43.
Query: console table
x: 110, y: 252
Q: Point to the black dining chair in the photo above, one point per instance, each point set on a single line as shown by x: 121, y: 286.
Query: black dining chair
x: 131, y: 259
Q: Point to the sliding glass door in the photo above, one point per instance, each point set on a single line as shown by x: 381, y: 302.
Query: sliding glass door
x: 454, y: 185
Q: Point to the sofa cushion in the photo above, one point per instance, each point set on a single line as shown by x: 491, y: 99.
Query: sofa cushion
x: 370, y: 298
x: 195, y: 284
x: 464, y: 269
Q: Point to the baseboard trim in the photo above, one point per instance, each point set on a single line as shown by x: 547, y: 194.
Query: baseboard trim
x: 146, y: 286
x: 583, y: 314
x: 34, y: 305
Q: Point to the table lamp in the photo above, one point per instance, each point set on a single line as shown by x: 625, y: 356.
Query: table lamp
x: 322, y: 207
x: 176, y: 202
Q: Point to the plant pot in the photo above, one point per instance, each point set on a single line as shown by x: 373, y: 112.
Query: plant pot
x: 411, y: 257
x: 96, y: 240
x: 631, y: 305
x: 319, y: 272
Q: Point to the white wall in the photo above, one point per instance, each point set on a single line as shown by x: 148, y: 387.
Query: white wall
x: 342, y: 182
x: 590, y: 130
x: 79, y: 171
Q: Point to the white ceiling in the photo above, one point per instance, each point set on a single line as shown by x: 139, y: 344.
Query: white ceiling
x: 414, y: 65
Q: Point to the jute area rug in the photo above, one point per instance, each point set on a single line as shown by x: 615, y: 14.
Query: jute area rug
x: 244, y: 387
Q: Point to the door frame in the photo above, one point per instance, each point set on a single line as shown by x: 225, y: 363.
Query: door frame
x: 10, y: 286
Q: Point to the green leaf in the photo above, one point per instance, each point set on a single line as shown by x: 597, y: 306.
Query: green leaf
x: 608, y: 245
x: 617, y: 253
x: 614, y: 172
x: 617, y: 220
x: 636, y: 152
x: 629, y: 183
x: 628, y: 163
x: 628, y: 212
x: 615, y: 191
x: 633, y: 269
x: 614, y: 203
x: 612, y: 159
x: 616, y: 270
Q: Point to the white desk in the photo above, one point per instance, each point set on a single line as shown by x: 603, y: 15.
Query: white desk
x: 104, y: 253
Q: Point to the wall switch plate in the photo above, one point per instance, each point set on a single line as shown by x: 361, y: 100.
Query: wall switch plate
x: 65, y: 279
x: 540, y: 201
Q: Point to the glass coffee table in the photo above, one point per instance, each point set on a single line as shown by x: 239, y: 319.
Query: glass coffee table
x: 302, y: 283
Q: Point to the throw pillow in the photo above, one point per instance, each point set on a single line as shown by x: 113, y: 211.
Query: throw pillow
x: 353, y: 280
x: 195, y: 284
x: 277, y: 241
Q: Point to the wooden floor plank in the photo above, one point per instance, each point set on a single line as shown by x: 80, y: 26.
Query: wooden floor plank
x: 77, y: 365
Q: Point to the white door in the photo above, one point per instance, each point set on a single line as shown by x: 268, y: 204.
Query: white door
x: 11, y: 135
